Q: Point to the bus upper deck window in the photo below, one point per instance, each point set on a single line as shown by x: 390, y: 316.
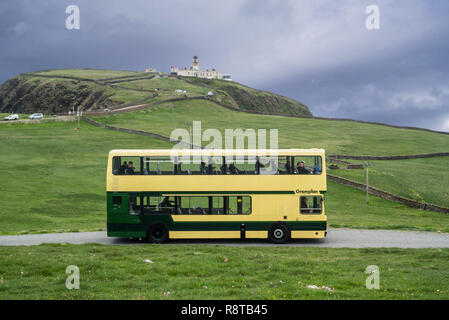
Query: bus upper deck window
x: 307, y: 164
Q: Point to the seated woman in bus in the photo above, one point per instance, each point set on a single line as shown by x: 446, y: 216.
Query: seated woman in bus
x: 130, y: 169
x: 300, y: 169
x: 123, y: 167
x: 304, y: 206
x: 287, y: 166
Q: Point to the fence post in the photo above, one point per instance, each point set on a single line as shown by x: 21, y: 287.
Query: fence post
x: 367, y: 188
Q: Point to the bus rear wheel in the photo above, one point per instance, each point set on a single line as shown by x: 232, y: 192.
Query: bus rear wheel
x: 279, y: 233
x: 157, y: 233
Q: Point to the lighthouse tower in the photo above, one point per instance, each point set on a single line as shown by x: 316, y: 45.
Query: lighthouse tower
x: 195, y: 64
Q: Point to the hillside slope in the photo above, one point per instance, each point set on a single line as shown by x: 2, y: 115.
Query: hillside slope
x: 336, y: 137
x: 58, y: 91
x: 25, y: 95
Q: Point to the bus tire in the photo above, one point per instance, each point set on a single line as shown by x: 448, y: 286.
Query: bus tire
x: 279, y: 233
x: 157, y: 233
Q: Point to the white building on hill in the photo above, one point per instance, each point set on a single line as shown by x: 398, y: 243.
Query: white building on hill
x: 194, y: 71
x: 150, y: 70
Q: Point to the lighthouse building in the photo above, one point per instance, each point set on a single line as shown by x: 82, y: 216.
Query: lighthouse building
x: 194, y: 71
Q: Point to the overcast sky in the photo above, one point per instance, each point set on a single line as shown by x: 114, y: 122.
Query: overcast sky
x: 316, y: 51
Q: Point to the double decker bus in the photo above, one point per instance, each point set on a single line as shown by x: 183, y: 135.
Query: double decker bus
x: 216, y: 194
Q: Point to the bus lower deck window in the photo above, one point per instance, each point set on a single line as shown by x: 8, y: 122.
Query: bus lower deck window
x: 310, y: 204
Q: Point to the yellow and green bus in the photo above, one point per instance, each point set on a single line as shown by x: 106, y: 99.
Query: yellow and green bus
x: 216, y: 194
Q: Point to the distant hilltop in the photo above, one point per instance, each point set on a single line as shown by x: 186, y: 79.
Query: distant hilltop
x: 59, y: 91
x: 194, y: 71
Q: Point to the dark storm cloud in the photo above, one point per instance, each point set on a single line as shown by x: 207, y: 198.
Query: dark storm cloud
x: 318, y: 52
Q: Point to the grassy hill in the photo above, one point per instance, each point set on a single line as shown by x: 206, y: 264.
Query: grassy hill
x: 57, y: 91
x: 342, y: 137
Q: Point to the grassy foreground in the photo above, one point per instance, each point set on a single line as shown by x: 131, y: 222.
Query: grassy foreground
x: 53, y: 180
x: 218, y: 272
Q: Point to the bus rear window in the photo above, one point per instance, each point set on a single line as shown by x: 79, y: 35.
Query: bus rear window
x: 310, y: 204
x: 126, y: 165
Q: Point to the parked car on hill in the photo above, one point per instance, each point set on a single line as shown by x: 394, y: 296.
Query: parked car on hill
x: 11, y: 117
x: 36, y: 116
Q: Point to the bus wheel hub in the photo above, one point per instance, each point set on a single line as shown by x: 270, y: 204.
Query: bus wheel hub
x: 278, y: 233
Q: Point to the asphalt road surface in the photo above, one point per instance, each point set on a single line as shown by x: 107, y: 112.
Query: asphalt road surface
x: 336, y: 238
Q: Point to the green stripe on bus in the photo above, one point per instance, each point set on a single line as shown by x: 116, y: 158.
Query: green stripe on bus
x: 159, y: 193
x: 216, y: 225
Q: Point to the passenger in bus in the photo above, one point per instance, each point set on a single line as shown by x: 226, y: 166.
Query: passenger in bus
x: 199, y: 210
x: 233, y: 169
x: 316, y: 170
x: 300, y: 169
x: 224, y: 168
x: 166, y: 203
x: 123, y: 167
x: 130, y: 169
x: 258, y: 166
x: 133, y: 207
x: 210, y: 169
x: 287, y: 166
x: 203, y: 168
x: 304, y: 206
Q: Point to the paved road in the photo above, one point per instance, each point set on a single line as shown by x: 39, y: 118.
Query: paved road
x: 336, y: 238
x: 28, y: 121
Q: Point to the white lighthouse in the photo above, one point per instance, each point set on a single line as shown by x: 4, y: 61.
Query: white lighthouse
x: 194, y: 71
x: 196, y: 64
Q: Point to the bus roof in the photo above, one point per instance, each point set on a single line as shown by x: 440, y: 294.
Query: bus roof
x: 215, y: 152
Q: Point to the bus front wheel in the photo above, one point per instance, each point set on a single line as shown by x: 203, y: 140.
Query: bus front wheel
x: 157, y: 233
x: 279, y: 233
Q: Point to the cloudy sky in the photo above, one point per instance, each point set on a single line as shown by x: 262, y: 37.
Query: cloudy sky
x: 316, y: 51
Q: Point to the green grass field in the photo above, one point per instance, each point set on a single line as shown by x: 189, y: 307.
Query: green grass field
x: 419, y: 179
x: 53, y: 179
x: 53, y: 176
x: 341, y: 137
x: 94, y: 74
x: 166, y: 84
x: 218, y: 272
